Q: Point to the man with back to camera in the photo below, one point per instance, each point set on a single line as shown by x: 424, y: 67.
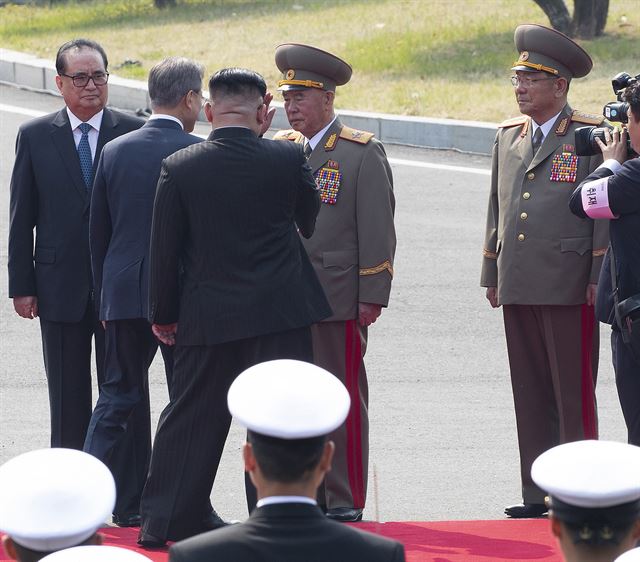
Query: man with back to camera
x: 612, y: 191
x: 594, y: 498
x: 53, y: 499
x: 352, y: 250
x: 51, y: 184
x: 541, y: 263
x: 226, y: 216
x: 289, y: 409
x: 120, y: 229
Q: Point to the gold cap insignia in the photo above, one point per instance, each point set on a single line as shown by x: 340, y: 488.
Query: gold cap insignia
x: 524, y: 55
x: 290, y: 74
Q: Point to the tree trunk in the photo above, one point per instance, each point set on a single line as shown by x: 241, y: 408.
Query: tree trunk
x: 557, y: 13
x: 589, y: 18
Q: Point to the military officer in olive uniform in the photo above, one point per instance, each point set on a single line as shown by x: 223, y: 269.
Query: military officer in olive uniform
x: 351, y: 250
x: 540, y: 262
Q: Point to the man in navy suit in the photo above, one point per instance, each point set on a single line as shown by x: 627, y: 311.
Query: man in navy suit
x: 51, y: 184
x: 230, y: 284
x: 120, y: 228
x: 289, y: 409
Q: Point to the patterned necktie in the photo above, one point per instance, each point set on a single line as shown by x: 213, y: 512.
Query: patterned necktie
x: 84, y: 152
x: 537, y: 140
x: 307, y: 150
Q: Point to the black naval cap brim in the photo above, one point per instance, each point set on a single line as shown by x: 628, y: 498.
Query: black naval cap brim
x: 304, y: 66
x: 547, y: 50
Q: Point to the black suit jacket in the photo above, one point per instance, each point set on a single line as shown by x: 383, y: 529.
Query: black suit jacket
x: 49, y: 195
x: 292, y: 532
x: 226, y: 210
x: 624, y: 233
x: 121, y: 209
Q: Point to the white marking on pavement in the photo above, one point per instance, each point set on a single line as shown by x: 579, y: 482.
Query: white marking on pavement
x: 397, y: 161
x: 21, y: 110
x: 416, y: 164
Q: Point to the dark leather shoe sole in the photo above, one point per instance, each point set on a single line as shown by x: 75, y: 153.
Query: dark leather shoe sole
x: 526, y: 511
x: 126, y: 520
x: 345, y: 514
x: 213, y: 521
x: 148, y: 540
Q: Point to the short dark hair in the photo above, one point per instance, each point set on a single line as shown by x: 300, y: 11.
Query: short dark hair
x: 632, y: 96
x: 286, y: 460
x: 61, y: 59
x: 171, y: 79
x: 237, y: 82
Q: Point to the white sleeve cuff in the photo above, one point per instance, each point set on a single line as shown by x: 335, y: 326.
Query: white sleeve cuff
x: 612, y: 165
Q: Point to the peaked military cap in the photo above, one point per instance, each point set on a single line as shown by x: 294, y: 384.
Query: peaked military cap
x: 54, y: 498
x: 288, y: 399
x: 547, y: 50
x: 596, y: 481
x: 303, y: 66
x: 632, y: 555
x: 96, y: 553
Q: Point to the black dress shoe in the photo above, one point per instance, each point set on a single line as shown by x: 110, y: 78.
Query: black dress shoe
x: 150, y: 541
x: 526, y: 510
x: 213, y: 521
x: 132, y: 520
x: 345, y: 514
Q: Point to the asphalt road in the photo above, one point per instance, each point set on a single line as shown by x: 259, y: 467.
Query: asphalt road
x: 443, y: 440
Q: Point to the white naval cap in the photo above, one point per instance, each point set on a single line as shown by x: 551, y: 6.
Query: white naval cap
x: 288, y: 399
x: 54, y: 498
x: 590, y: 474
x: 94, y: 553
x: 632, y: 555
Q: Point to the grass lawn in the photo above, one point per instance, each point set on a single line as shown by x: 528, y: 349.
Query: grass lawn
x: 434, y: 58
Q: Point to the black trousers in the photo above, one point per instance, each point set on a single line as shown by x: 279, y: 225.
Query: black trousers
x: 627, y: 371
x: 67, y: 361
x: 121, y: 416
x: 194, y: 425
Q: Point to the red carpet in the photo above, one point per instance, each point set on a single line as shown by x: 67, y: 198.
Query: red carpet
x: 442, y: 541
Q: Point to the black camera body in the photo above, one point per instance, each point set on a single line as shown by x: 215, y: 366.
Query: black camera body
x: 614, y: 111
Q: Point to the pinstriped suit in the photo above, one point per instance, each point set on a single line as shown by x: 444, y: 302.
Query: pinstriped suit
x: 226, y: 210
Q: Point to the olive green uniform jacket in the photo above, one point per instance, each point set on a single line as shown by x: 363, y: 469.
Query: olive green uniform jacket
x: 354, y: 243
x: 536, y: 251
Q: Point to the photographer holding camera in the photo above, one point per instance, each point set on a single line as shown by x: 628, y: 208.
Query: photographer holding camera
x: 612, y: 191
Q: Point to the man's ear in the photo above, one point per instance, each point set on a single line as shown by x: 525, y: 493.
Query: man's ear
x: 561, y: 86
x: 556, y: 527
x: 261, y: 114
x: 249, y: 458
x: 208, y: 111
x: 327, y: 456
x: 9, y: 548
x: 59, y: 82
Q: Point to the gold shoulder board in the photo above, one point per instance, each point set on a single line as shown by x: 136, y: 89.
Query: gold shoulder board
x: 288, y: 134
x: 362, y: 137
x: 521, y: 120
x: 587, y: 118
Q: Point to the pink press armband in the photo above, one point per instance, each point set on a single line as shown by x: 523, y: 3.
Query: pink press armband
x: 595, y: 199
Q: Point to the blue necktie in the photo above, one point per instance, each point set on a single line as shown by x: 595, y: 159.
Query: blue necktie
x: 84, y: 152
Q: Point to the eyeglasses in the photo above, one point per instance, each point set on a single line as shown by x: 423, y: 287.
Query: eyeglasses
x: 527, y: 82
x: 81, y: 80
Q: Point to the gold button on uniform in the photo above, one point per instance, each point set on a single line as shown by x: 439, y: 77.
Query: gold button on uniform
x: 523, y: 216
x: 521, y: 237
x: 531, y: 175
x: 526, y: 195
